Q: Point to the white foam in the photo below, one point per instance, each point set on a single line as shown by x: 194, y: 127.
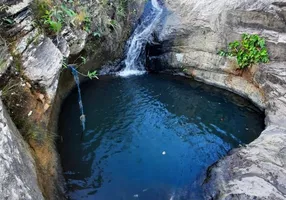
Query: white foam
x: 131, y: 72
x: 172, y: 197
x: 156, y: 4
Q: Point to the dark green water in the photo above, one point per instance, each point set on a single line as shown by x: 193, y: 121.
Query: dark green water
x: 150, y: 137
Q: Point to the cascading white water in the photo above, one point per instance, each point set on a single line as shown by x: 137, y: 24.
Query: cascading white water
x: 136, y: 44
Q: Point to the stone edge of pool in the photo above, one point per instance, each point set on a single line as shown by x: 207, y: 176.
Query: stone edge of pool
x: 258, y: 169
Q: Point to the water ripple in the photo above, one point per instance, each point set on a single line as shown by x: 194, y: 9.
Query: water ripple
x: 150, y: 137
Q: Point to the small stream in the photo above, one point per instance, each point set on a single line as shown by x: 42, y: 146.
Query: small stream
x: 150, y: 137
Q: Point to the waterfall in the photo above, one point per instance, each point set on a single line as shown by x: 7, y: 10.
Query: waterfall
x: 134, y: 63
x: 76, y: 78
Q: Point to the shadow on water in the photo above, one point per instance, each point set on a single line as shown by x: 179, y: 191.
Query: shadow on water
x: 150, y: 137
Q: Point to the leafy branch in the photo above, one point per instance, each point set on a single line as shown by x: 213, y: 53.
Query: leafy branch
x: 90, y: 74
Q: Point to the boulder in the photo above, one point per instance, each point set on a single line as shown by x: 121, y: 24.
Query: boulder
x: 42, y: 64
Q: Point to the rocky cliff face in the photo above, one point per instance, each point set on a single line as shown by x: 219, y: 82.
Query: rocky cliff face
x: 31, y: 61
x: 190, y: 36
x: 17, y: 167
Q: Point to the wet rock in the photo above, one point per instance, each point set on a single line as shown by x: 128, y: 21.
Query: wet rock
x: 17, y: 171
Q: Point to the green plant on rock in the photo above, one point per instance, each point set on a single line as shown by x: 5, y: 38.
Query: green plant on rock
x: 87, y: 24
x: 56, y: 14
x: 55, y: 25
x: 107, y: 17
x: 83, y: 60
x: 250, y: 50
x: 92, y: 75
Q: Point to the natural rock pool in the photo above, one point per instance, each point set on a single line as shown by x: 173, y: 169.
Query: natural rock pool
x: 150, y: 137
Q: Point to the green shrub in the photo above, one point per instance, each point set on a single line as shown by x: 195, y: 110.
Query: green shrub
x: 250, y: 50
x: 53, y: 15
x: 98, y: 18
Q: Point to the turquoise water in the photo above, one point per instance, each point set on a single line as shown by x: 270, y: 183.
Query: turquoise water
x: 149, y: 137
